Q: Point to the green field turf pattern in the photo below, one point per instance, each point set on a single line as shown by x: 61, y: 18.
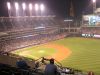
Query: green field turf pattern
x: 35, y: 52
x: 85, y: 53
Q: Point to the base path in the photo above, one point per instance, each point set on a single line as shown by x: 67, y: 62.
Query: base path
x: 62, y: 51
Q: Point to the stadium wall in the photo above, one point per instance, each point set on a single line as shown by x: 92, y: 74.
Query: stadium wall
x: 12, y: 59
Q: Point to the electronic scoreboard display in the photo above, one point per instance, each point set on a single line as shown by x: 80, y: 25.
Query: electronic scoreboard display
x: 91, y: 20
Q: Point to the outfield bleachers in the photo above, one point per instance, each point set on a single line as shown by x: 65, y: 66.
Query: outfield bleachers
x: 91, y: 30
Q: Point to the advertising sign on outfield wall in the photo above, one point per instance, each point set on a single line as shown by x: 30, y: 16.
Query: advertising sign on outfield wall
x: 91, y: 19
x: 91, y: 35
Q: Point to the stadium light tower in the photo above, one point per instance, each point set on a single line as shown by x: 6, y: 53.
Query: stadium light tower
x: 8, y: 5
x: 24, y: 7
x: 42, y: 8
x: 30, y: 8
x: 16, y: 6
x: 9, y: 8
x: 36, y: 7
x: 94, y: 1
x: 94, y: 6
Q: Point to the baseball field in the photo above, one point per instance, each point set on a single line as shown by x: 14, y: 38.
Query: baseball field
x: 78, y: 53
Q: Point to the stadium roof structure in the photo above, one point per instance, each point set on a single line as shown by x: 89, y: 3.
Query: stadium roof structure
x: 52, y: 16
x: 68, y: 20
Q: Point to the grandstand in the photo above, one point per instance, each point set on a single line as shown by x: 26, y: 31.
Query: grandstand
x: 18, y: 32
x: 21, y: 32
x: 91, y: 26
x: 26, y: 23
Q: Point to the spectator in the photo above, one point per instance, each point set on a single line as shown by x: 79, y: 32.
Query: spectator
x: 90, y: 73
x: 51, y: 69
x: 22, y: 64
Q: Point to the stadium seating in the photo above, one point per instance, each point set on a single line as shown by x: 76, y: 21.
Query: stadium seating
x: 27, y: 31
x: 23, y: 23
x: 16, y: 40
x: 9, y: 70
x: 91, y: 30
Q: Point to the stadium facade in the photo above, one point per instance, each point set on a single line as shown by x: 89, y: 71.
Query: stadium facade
x: 91, y: 24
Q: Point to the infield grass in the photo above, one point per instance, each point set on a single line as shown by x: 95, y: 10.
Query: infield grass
x: 35, y: 52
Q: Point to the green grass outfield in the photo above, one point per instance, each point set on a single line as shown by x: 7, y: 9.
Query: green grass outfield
x: 85, y: 53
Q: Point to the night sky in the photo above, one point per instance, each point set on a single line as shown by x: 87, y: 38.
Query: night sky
x: 60, y: 8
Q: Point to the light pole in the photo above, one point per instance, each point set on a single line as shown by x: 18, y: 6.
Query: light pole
x: 42, y: 8
x: 94, y: 6
x: 36, y: 9
x: 9, y: 8
x: 16, y: 7
x: 30, y: 9
x: 24, y: 7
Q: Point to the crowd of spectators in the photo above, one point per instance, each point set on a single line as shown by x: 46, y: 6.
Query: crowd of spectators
x: 16, y: 42
x: 91, y: 30
x: 51, y: 67
x: 23, y: 32
x: 26, y: 31
x: 25, y: 23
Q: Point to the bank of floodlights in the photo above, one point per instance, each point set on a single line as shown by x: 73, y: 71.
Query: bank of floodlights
x: 36, y: 7
x: 94, y: 1
x: 16, y: 6
x: 42, y: 8
x: 30, y: 6
x: 23, y: 6
x: 94, y: 6
x: 8, y: 5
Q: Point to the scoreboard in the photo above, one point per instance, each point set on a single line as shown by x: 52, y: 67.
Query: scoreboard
x: 91, y: 20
